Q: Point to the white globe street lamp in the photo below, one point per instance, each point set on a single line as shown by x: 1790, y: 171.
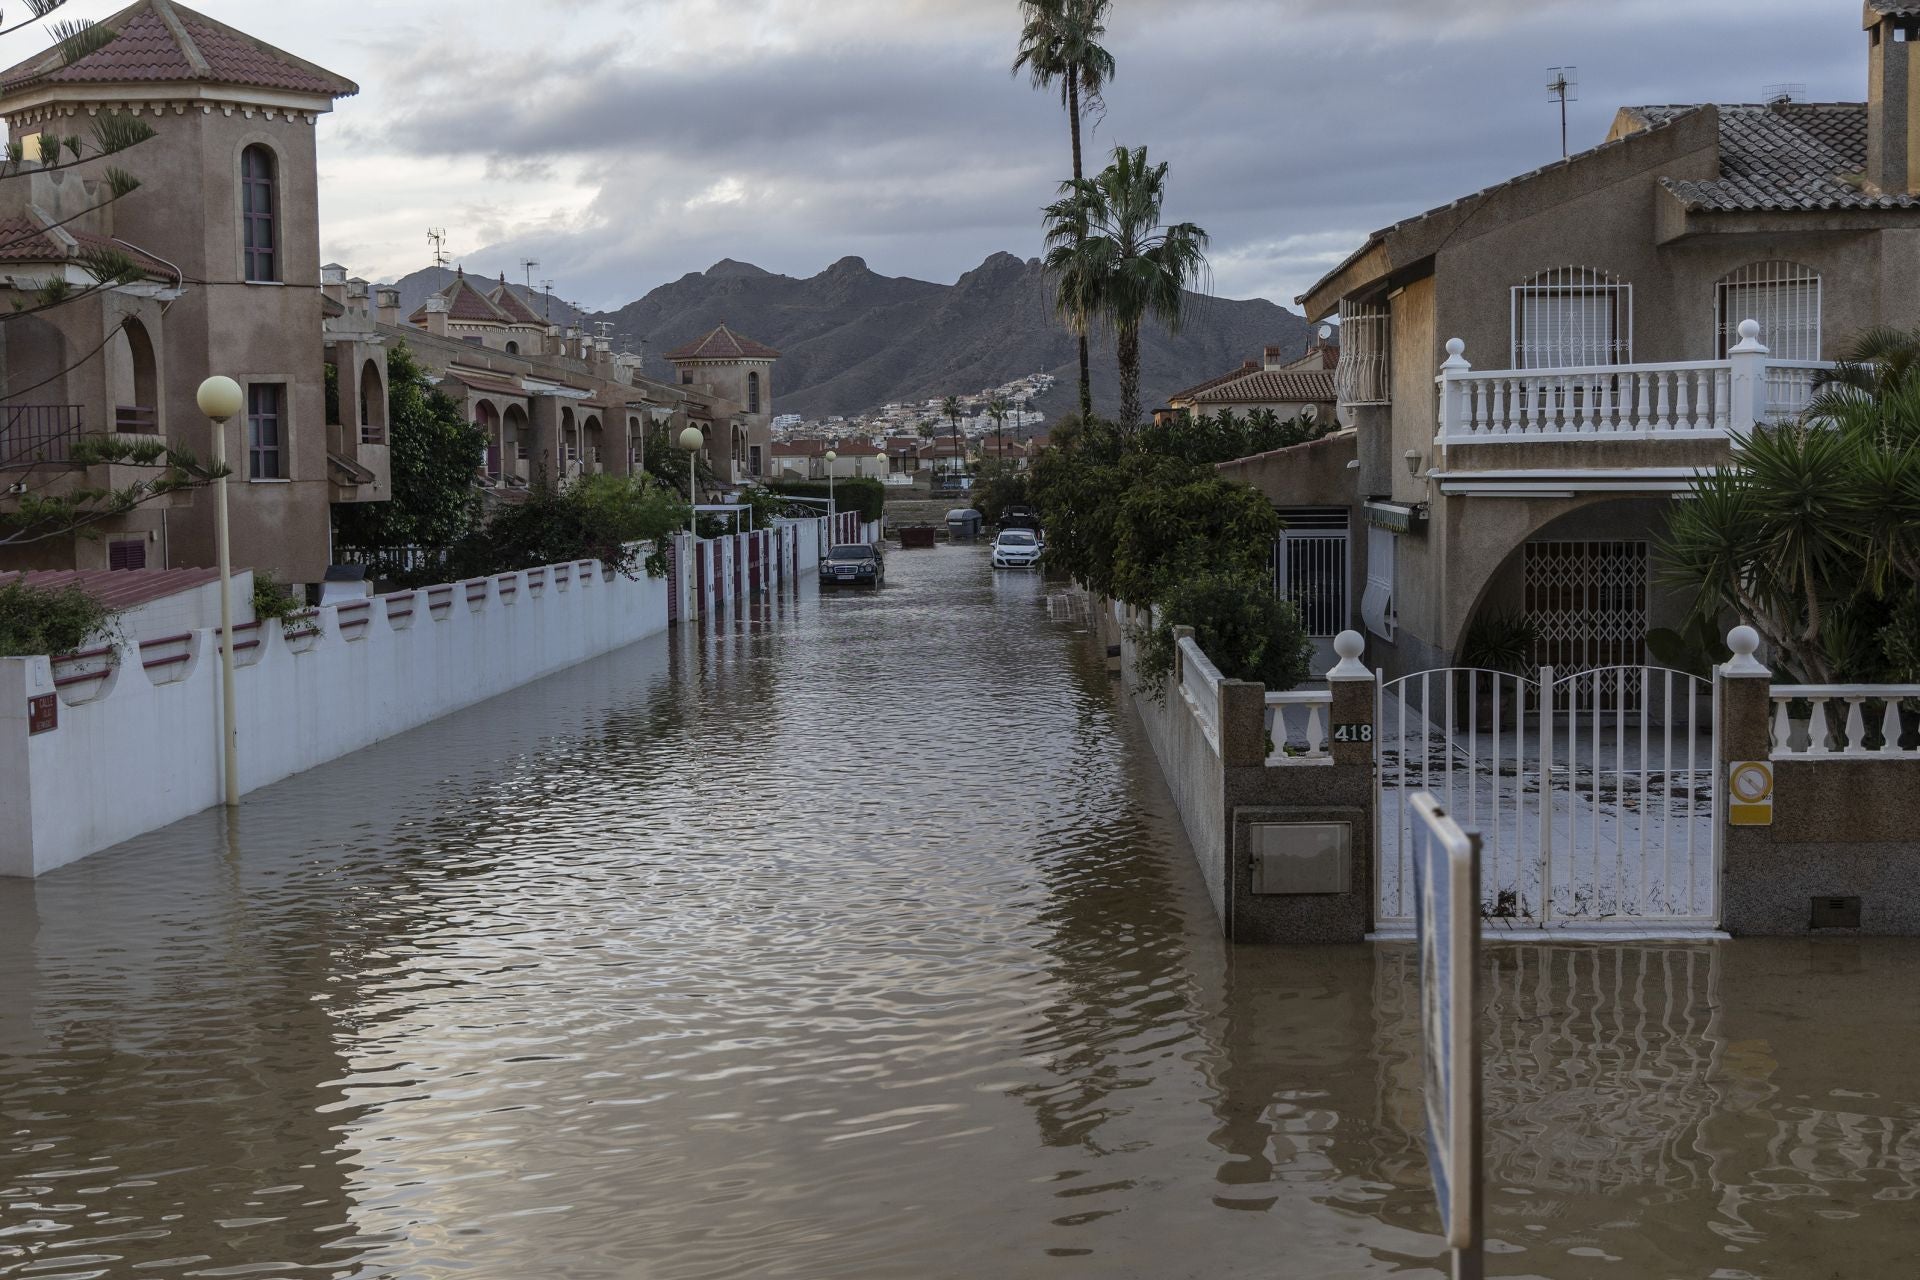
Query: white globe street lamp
x: 832, y: 510
x: 691, y: 440
x: 221, y: 399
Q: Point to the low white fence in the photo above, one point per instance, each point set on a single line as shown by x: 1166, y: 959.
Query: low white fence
x: 1842, y: 721
x: 1297, y: 727
x: 1200, y: 688
x: 97, y: 750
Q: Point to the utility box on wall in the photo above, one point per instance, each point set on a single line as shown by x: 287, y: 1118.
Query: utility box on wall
x: 1294, y: 858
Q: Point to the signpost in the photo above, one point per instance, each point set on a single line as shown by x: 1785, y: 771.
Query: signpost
x: 1446, y: 878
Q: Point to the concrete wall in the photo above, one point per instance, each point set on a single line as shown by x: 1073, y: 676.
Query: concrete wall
x: 1842, y: 828
x: 1222, y: 785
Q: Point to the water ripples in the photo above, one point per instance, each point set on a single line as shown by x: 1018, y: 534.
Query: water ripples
x: 850, y: 939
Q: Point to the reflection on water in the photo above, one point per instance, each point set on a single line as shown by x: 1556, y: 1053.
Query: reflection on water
x: 854, y: 939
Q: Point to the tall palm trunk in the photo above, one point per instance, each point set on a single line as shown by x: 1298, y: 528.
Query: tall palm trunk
x: 1073, y: 120
x: 1128, y: 350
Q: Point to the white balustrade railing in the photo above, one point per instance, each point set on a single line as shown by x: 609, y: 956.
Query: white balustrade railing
x: 1200, y: 686
x: 1860, y: 721
x: 1704, y: 398
x: 1297, y: 727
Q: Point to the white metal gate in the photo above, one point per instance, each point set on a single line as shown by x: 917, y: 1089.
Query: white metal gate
x: 1592, y: 808
x: 1312, y: 568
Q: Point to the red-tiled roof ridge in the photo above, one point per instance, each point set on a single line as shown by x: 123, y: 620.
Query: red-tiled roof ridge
x: 158, y: 41
x: 724, y: 344
x: 513, y: 304
x: 117, y: 588
x: 27, y: 240
x: 464, y: 302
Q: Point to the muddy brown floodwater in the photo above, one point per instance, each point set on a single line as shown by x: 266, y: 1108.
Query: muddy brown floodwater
x: 856, y: 940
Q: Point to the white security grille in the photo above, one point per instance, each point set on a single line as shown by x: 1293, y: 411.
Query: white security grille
x: 1588, y: 604
x: 1572, y: 318
x: 1783, y: 296
x: 1364, y: 375
x: 1310, y: 568
x: 1377, y: 606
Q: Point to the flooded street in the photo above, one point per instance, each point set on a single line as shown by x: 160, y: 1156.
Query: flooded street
x: 859, y: 940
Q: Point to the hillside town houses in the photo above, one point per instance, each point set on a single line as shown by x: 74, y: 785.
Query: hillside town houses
x: 1530, y: 375
x: 223, y: 234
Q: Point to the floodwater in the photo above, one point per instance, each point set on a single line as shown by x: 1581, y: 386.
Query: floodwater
x: 856, y: 940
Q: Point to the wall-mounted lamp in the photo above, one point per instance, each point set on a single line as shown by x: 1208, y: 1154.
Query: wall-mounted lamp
x: 1414, y: 458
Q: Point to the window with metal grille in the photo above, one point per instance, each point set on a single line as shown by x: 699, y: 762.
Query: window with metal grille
x: 266, y: 431
x: 1572, y: 318
x: 127, y: 555
x: 1784, y: 297
x: 1310, y: 568
x: 259, y: 205
x: 1364, y: 374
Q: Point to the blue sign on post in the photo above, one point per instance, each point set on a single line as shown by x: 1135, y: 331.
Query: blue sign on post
x: 1446, y: 880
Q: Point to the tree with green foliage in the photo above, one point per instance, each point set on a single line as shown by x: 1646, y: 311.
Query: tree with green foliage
x: 622, y: 521
x: 864, y: 494
x: 999, y: 411
x: 951, y: 408
x: 1060, y: 42
x: 50, y: 620
x: 436, y: 455
x: 1000, y: 485
x: 1118, y: 264
x: 1811, y: 532
x: 1131, y: 518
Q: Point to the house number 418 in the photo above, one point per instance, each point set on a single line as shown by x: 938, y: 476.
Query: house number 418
x: 1353, y: 733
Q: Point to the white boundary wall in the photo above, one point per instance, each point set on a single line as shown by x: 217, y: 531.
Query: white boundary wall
x: 141, y: 748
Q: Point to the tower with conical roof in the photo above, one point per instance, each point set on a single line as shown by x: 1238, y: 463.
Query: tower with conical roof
x: 738, y: 369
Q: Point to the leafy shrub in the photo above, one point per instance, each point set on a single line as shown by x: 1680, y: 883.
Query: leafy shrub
x: 1245, y: 630
x: 1500, y: 641
x: 605, y: 518
x: 50, y: 620
x: 272, y: 599
x: 999, y: 486
x: 861, y: 493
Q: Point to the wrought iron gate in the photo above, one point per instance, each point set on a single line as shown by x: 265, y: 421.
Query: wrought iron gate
x: 1592, y: 808
x: 1312, y: 569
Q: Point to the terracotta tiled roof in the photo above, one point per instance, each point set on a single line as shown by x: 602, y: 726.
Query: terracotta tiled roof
x: 118, y: 588
x: 492, y: 386
x: 464, y: 303
x: 158, y: 42
x: 1783, y: 156
x: 1302, y: 386
x: 724, y: 344
x: 513, y: 306
x: 1211, y: 383
x: 1894, y: 8
x: 25, y: 241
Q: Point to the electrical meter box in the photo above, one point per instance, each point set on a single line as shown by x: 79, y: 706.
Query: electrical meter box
x: 1301, y: 857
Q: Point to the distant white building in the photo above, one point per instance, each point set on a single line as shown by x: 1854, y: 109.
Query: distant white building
x: 787, y: 421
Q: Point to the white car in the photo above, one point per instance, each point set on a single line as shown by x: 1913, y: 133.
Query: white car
x: 1017, y: 549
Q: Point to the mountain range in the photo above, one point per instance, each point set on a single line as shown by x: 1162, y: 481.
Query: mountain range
x: 852, y: 340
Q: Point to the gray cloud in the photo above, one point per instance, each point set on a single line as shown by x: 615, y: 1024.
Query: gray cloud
x: 894, y: 130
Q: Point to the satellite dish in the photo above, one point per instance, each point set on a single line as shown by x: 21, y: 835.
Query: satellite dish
x: 1326, y: 331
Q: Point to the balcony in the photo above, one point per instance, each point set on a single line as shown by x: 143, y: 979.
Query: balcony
x: 359, y: 464
x: 1661, y: 424
x: 38, y: 434
x: 136, y: 420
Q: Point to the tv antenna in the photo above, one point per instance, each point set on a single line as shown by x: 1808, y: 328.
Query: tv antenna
x: 437, y: 237
x: 527, y: 265
x: 626, y: 344
x: 605, y: 327
x: 1776, y: 93
x: 1563, y: 86
x: 547, y: 285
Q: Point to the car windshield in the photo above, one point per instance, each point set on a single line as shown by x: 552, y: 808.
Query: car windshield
x: 1016, y: 538
x: 851, y: 553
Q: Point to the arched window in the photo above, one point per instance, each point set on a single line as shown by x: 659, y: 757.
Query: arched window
x: 1572, y: 318
x: 753, y: 393
x: 513, y: 348
x: 134, y: 376
x: 1783, y: 296
x: 259, y: 214
x: 373, y: 405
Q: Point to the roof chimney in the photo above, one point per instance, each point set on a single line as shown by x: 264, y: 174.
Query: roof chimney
x: 387, y: 305
x: 437, y: 315
x: 1274, y: 359
x: 1893, y: 96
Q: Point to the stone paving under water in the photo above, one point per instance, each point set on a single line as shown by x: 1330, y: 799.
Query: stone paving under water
x: 856, y: 939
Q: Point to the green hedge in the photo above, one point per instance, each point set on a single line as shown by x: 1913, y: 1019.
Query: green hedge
x: 863, y: 494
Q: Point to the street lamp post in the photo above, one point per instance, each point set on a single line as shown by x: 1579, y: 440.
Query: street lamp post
x: 222, y: 400
x: 832, y: 510
x: 691, y: 440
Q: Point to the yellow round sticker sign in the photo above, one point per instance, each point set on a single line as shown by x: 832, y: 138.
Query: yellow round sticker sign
x: 1750, y: 786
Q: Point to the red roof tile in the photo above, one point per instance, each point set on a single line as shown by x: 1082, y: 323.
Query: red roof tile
x: 158, y: 41
x: 1302, y: 386
x: 25, y: 241
x: 724, y: 344
x: 513, y: 306
x: 119, y: 588
x: 466, y: 303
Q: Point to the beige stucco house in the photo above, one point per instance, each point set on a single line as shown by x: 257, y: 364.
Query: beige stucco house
x: 1287, y: 388
x: 225, y: 225
x: 1534, y: 373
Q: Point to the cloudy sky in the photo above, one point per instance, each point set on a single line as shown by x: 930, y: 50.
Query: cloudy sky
x: 625, y: 143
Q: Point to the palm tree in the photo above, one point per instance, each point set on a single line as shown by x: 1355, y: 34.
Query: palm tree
x: 999, y: 410
x: 951, y: 407
x: 1060, y: 41
x: 1117, y: 264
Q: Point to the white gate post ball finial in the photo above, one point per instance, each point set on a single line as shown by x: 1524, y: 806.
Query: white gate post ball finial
x: 1745, y: 642
x: 1349, y: 645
